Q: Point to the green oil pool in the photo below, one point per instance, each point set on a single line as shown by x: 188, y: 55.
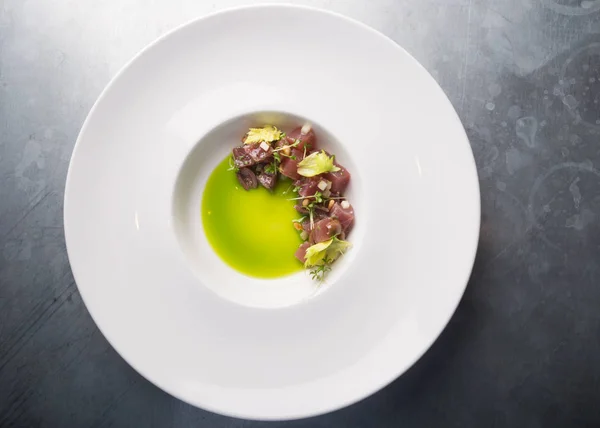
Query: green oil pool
x: 250, y: 230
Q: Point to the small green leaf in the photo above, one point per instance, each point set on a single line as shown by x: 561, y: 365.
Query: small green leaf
x: 330, y: 250
x: 315, y: 164
x: 316, y: 253
x: 268, y: 134
x: 337, y: 248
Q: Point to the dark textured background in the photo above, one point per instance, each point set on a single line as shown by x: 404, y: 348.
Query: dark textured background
x: 523, y: 349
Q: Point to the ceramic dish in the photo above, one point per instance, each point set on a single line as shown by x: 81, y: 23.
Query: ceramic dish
x: 284, y: 348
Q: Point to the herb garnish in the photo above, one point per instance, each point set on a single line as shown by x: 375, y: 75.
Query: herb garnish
x: 317, y: 254
x: 318, y: 196
x: 271, y: 168
x: 267, y: 133
x: 317, y: 273
x: 316, y: 163
x: 232, y: 166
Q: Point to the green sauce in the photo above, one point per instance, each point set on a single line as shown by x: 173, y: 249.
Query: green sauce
x: 251, y: 230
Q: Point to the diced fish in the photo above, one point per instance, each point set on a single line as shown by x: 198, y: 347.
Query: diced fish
x: 308, y: 186
x: 301, y: 251
x: 247, y: 178
x: 289, y: 168
x: 339, y: 180
x: 326, y: 229
x: 308, y: 139
x: 267, y: 180
x: 241, y: 158
x: 257, y: 153
x: 344, y: 215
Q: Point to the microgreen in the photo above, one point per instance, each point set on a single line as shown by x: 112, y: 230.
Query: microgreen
x: 271, y: 168
x: 318, y: 273
x: 232, y: 166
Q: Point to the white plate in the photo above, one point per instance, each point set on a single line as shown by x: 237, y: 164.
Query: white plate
x: 270, y: 349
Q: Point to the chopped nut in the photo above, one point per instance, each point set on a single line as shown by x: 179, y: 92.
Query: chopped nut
x: 305, y: 203
x: 331, y: 203
x: 286, y: 150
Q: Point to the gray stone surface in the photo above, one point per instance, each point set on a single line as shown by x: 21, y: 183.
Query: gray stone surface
x: 523, y: 349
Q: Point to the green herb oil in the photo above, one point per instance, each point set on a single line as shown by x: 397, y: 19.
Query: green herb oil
x: 251, y: 230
